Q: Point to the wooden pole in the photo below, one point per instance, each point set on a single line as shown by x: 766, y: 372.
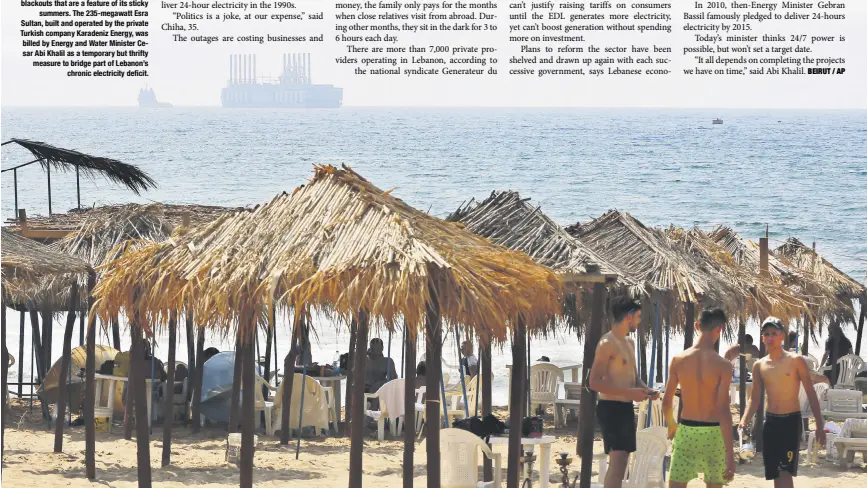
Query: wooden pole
x: 191, y: 353
x: 135, y: 360
x: 89, y: 386
x: 742, y: 340
x: 433, y: 381
x: 486, y: 400
x: 689, y: 330
x: 65, y: 361
x: 197, y: 376
x: 115, y: 332
x: 48, y: 172
x: 357, y: 423
x: 516, y: 393
x: 141, y: 413
x: 15, y: 179
x: 47, y: 336
x: 269, y: 337
x: 5, y: 372
x: 860, y: 327
x: 758, y: 425
x: 408, y: 358
x: 37, y: 344
x: 235, y: 406
x: 347, y: 401
x: 81, y: 326
x: 587, y: 412
x: 247, y: 335
x: 289, y: 381
x: 168, y: 409
x: 78, y: 186
x: 21, y: 356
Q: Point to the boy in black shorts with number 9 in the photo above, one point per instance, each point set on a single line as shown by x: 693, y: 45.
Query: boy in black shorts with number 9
x: 782, y: 374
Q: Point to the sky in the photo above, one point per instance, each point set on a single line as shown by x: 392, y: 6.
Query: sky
x: 192, y: 74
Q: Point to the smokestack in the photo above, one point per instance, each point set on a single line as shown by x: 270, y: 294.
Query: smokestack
x: 254, y: 68
x: 283, y: 71
x: 230, y: 69
x: 302, y: 68
x: 309, y: 67
x: 235, y: 68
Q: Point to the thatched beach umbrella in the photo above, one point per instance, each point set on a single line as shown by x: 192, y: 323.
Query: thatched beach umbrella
x: 25, y: 263
x: 371, y: 258
x: 820, y: 297
x: 509, y: 220
x: 49, y: 156
x: 844, y: 286
x: 764, y: 296
x: 647, y: 253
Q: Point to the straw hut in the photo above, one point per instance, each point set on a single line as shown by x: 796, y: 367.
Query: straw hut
x: 25, y: 263
x: 338, y: 241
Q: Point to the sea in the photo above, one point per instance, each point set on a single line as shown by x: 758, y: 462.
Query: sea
x: 784, y: 172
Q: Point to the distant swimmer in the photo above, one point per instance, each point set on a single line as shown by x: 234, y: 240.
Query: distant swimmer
x: 615, y: 377
x: 703, y: 442
x: 782, y: 374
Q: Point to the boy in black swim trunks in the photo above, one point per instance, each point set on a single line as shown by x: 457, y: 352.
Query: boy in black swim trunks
x: 782, y: 374
x: 615, y: 377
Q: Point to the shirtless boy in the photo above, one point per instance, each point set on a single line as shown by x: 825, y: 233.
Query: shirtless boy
x: 782, y: 374
x: 615, y: 377
x: 703, y: 442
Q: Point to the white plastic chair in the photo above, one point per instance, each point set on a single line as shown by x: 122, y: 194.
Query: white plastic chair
x: 544, y: 383
x: 459, y: 467
x: 657, y: 415
x: 643, y: 469
x: 806, y: 410
x: 420, y: 410
x: 261, y: 405
x: 844, y: 404
x: 812, y: 363
x: 394, y: 387
x: 315, y: 406
x: 850, y: 365
x: 852, y: 440
x: 458, y: 400
x: 572, y: 401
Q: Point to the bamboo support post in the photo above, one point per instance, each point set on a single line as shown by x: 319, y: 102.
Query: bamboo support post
x: 65, y: 364
x: 587, y: 413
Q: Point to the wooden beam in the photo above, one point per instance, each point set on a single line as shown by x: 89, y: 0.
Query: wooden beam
x: 168, y: 408
x: 433, y: 381
x: 486, y: 400
x: 758, y: 425
x: 142, y: 439
x: 587, y: 412
x: 235, y: 406
x: 247, y: 333
x: 742, y: 340
x: 65, y: 362
x: 197, y: 376
x: 409, y: 406
x: 516, y: 395
x: 289, y: 381
x: 38, y: 233
x: 357, y: 429
x: 89, y: 390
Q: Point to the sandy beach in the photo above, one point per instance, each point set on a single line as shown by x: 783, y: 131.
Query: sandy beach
x: 324, y: 462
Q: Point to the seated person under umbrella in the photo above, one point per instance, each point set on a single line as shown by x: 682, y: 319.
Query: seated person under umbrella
x: 378, y: 370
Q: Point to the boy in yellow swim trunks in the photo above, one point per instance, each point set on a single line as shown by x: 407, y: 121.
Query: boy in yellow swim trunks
x: 703, y: 442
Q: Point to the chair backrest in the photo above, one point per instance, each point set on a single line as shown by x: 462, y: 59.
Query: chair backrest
x: 657, y: 415
x: 850, y: 365
x: 472, y: 387
x: 844, y: 401
x: 644, y: 463
x: 812, y: 363
x: 821, y: 392
x: 572, y: 390
x: 459, y: 449
x: 857, y: 427
x: 390, y: 390
x: 544, y: 379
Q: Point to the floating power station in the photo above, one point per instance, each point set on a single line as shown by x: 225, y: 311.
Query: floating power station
x: 292, y: 89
